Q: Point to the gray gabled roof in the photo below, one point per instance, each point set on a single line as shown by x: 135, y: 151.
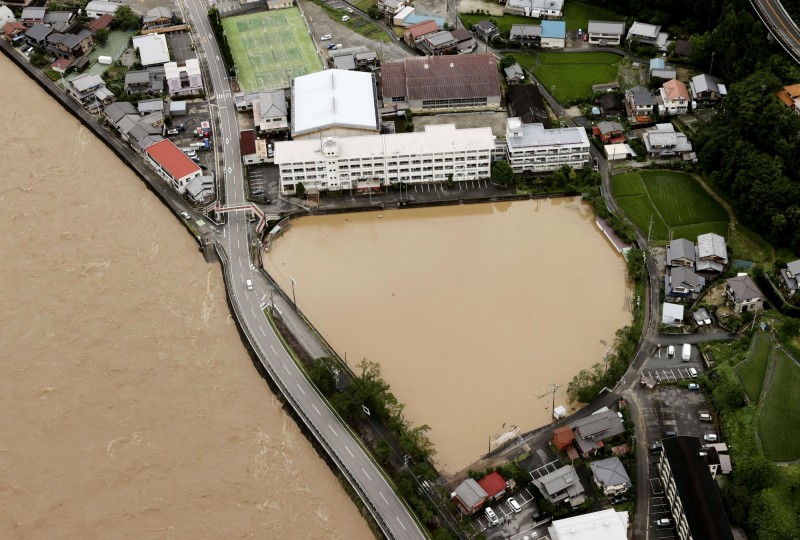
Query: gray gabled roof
x: 610, y: 472
x: 137, y: 77
x: 470, y: 493
x: 642, y: 96
x: 680, y: 248
x: 606, y: 27
x: 272, y: 104
x: 686, y: 276
x: 38, y: 32
x: 598, y: 426
x: 115, y: 111
x: 794, y: 267
x: 565, y: 478
x: 704, y: 83
x: 609, y: 127
x: 743, y: 288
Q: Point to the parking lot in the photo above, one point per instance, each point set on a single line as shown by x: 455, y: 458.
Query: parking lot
x: 665, y: 368
x: 181, y: 45
x: 516, y: 525
x: 196, y: 113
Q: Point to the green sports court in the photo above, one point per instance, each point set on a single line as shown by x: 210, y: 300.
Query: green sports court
x: 270, y: 48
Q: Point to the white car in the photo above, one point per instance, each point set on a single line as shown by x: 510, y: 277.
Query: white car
x: 663, y: 522
x: 710, y: 437
x: 349, y: 10
x: 185, y: 215
x: 249, y: 284
x: 345, y: 18
x: 514, y: 505
x: 491, y: 516
x: 326, y: 37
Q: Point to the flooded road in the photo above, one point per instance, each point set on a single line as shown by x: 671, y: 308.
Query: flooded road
x: 472, y: 311
x: 130, y: 406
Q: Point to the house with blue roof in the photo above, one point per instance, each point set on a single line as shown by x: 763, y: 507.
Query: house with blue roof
x: 554, y: 34
x: 416, y: 19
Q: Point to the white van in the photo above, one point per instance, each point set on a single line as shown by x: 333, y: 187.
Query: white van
x: 670, y: 351
x: 693, y: 372
x: 249, y: 284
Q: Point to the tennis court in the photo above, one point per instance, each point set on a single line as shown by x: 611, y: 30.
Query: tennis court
x: 271, y: 48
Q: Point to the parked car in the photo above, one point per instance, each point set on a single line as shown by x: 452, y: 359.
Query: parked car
x: 663, y: 522
x: 655, y: 448
x: 619, y: 500
x: 710, y: 437
x: 345, y: 18
x: 491, y: 516
x: 172, y: 131
x: 668, y: 434
x: 349, y: 10
x: 332, y: 46
x: 185, y: 215
x: 512, y: 502
x: 693, y: 386
x: 326, y: 37
x: 705, y: 417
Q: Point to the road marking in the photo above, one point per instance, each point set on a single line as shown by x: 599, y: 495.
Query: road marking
x: 273, y: 350
x: 348, y: 451
x: 319, y: 413
x: 262, y: 331
x: 303, y: 391
x: 334, y: 431
x: 401, y: 523
x: 382, y: 497
x: 365, y: 473
x: 227, y: 141
x: 287, y: 369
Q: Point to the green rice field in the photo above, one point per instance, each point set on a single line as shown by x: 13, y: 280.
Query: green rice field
x: 573, y: 74
x: 752, y: 371
x: 779, y: 412
x: 271, y: 48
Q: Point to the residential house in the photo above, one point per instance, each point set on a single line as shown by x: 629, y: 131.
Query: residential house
x: 6, y: 16
x: 59, y: 21
x: 416, y: 32
x: 683, y: 48
x: 563, y: 438
x: 560, y: 485
x: 609, y: 132
x: 533, y: 148
x: 619, y: 151
x: 442, y: 83
x: 612, y: 104
x: 683, y: 282
x: 270, y: 112
x: 605, y: 33
x: 648, y: 34
x: 610, y: 476
x: 98, y: 8
x: 145, y: 81
x: 671, y: 314
x: 662, y: 141
x: 486, y: 30
x: 466, y: 41
x: 468, y: 497
x: 537, y: 9
x: 171, y: 164
x: 659, y: 70
x: 400, y: 18
x: 527, y: 35
x: 254, y: 151
x: 101, y: 23
x: 437, y: 43
x: 36, y: 36
x: 591, y: 431
x: 14, y: 31
x: 390, y: 8
x: 414, y: 18
x: 706, y: 91
x: 712, y: 254
x: 526, y: 103
x: 613, y: 524
x: 149, y: 106
x: 114, y: 112
x: 280, y: 4
x: 354, y: 58
x: 641, y: 102
x: 694, y: 502
x: 494, y: 485
x: 791, y: 276
x: 514, y: 74
x: 183, y: 80
x: 790, y: 96
x: 177, y: 108
x: 744, y: 294
x: 674, y: 98
x: 158, y: 17
x: 152, y: 48
x: 681, y: 252
x: 70, y: 45
x: 90, y: 90
x: 32, y: 15
x: 554, y: 34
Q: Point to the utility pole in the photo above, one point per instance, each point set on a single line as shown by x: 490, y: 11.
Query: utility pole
x: 552, y: 391
x: 294, y: 299
x: 649, y: 230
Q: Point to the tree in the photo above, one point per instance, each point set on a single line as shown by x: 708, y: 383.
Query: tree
x: 635, y: 260
x: 125, y: 19
x: 300, y: 191
x: 507, y: 60
x: 101, y: 36
x: 321, y: 375
x: 502, y: 174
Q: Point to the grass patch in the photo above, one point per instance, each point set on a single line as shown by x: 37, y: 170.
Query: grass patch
x: 675, y: 201
x: 363, y: 5
x: 357, y: 24
x: 779, y: 413
x: 752, y: 371
x: 504, y: 22
x: 747, y: 245
x: 270, y: 48
x: 578, y: 15
x: 525, y: 60
x: 573, y: 74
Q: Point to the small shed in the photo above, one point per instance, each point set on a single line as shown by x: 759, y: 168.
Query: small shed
x: 177, y: 108
x: 671, y: 314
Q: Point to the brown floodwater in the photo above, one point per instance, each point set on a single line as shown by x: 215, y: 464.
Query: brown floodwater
x: 130, y: 408
x: 472, y: 311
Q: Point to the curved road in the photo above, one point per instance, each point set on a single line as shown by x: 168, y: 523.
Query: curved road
x: 780, y: 24
x: 390, y: 512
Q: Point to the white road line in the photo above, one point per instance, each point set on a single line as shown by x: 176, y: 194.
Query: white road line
x: 301, y: 389
x: 382, y: 497
x: 365, y: 472
x: 401, y: 523
x: 262, y: 331
x: 273, y: 350
x: 319, y: 413
x: 334, y: 431
x: 287, y: 369
x: 349, y: 452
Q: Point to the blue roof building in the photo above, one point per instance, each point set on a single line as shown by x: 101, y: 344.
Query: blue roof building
x: 553, y: 34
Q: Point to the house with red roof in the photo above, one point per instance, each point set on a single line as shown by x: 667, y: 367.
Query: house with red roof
x: 171, y: 164
x: 563, y: 437
x: 414, y: 33
x: 494, y: 485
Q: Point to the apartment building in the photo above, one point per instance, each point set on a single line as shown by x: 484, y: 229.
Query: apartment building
x: 531, y: 147
x: 336, y: 163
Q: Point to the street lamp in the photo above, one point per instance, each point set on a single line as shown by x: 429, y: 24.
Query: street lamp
x: 294, y: 299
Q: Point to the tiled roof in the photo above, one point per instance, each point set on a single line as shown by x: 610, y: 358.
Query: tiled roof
x: 442, y: 77
x: 675, y: 89
x: 103, y: 21
x: 425, y: 27
x: 247, y: 142
x: 171, y: 159
x: 493, y: 484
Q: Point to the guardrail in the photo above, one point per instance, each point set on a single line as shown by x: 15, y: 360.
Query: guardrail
x: 376, y: 513
x: 760, y: 10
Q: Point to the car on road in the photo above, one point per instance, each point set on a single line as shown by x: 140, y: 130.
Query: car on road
x: 491, y: 516
x: 693, y: 386
x: 345, y: 18
x: 656, y: 448
x: 663, y: 522
x: 710, y: 437
x: 172, y: 131
x: 705, y: 417
x: 185, y: 215
x: 249, y: 285
x: 349, y: 10
x: 668, y: 434
x: 619, y: 500
x: 512, y: 502
x: 326, y: 37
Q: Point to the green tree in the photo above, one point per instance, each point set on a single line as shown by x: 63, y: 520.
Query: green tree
x: 322, y: 376
x: 507, y: 60
x: 502, y: 174
x: 101, y: 36
x: 125, y: 19
x: 38, y: 59
x: 300, y: 191
x: 635, y: 261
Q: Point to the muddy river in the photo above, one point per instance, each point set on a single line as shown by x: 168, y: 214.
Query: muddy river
x: 130, y: 407
x: 472, y: 311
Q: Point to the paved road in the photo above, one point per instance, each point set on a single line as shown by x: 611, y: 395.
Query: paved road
x: 780, y: 25
x: 386, y: 507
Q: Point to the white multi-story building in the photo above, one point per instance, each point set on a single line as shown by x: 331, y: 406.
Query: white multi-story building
x: 336, y: 163
x: 531, y: 147
x: 183, y: 80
